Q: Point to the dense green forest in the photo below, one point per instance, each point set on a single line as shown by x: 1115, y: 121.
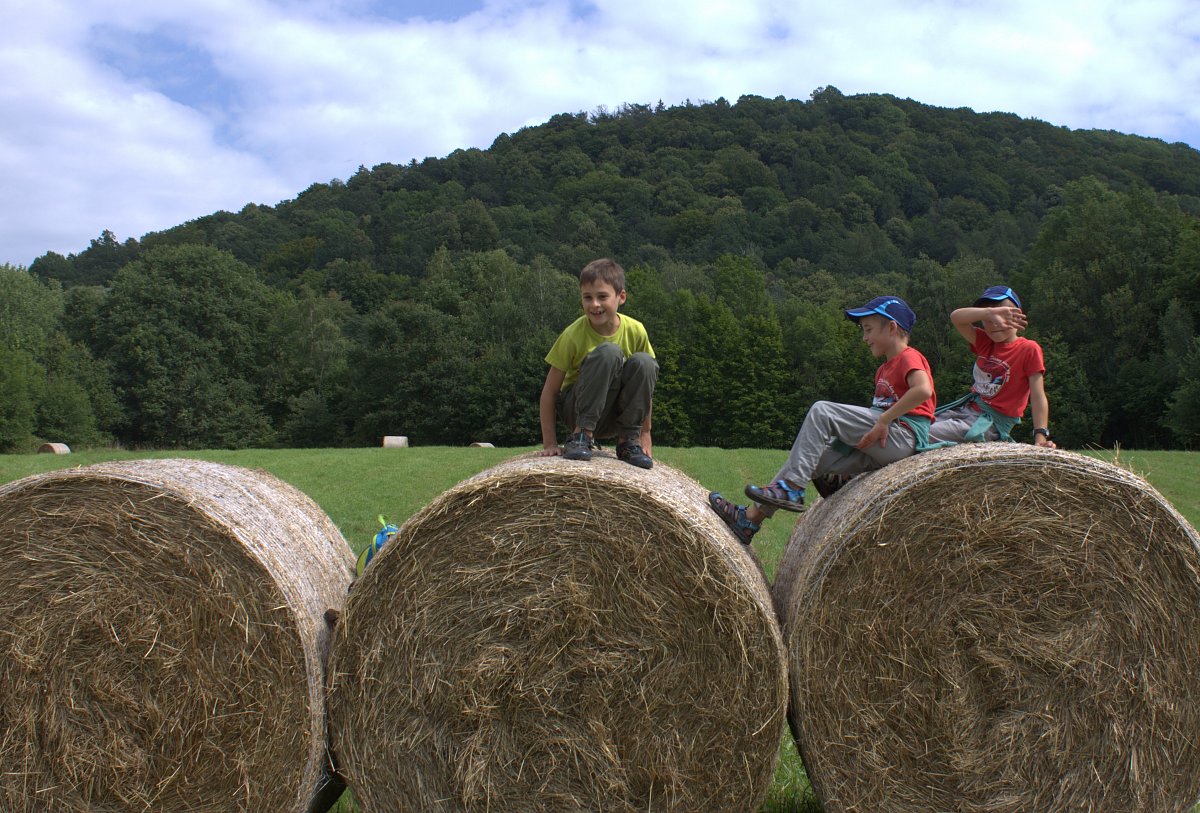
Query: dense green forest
x: 420, y: 299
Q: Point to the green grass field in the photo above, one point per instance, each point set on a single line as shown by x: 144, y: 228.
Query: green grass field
x: 355, y: 486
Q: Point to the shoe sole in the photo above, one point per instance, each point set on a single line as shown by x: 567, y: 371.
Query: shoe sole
x: 766, y: 499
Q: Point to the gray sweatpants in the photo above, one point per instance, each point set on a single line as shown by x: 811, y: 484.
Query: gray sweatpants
x: 953, y: 424
x: 612, y: 396
x: 813, y: 455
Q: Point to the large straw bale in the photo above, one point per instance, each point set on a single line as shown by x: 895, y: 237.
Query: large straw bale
x: 560, y: 636
x: 995, y: 627
x: 163, y: 645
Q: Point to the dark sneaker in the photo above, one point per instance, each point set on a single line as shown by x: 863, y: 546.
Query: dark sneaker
x: 827, y: 484
x: 631, y: 452
x: 778, y: 494
x: 578, y: 447
x: 734, y: 516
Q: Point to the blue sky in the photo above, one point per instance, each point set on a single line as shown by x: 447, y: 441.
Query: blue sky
x: 136, y: 116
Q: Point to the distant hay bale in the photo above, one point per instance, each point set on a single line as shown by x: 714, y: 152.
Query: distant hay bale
x: 54, y: 448
x: 395, y: 441
x: 163, y: 644
x: 558, y: 636
x: 482, y: 445
x: 995, y: 627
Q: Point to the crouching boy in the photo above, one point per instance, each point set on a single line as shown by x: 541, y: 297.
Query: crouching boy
x: 600, y: 383
x: 843, y: 440
x: 1008, y: 375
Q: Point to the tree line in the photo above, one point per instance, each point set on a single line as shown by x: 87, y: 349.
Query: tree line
x: 421, y: 299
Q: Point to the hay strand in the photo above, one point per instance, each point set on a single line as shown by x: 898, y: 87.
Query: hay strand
x: 560, y: 636
x: 997, y: 628
x: 164, y: 640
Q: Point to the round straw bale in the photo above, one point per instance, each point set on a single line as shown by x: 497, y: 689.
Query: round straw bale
x: 552, y: 635
x: 54, y: 448
x: 995, y: 627
x: 395, y: 441
x: 163, y: 645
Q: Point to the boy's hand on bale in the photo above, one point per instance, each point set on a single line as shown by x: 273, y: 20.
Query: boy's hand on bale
x: 551, y: 452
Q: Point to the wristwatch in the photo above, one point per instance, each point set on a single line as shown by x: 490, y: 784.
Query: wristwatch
x: 1043, y: 431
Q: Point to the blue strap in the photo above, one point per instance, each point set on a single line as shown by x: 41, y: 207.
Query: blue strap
x: 920, y: 428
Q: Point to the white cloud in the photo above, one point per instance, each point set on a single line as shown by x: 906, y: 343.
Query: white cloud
x: 84, y: 150
x: 312, y: 90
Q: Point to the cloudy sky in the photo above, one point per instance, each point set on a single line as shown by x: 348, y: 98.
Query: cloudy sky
x: 138, y: 115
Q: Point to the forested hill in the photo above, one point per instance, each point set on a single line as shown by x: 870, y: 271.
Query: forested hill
x: 419, y: 299
x: 852, y: 184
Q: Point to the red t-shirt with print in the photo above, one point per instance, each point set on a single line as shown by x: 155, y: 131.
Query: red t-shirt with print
x: 891, y: 382
x: 1002, y: 370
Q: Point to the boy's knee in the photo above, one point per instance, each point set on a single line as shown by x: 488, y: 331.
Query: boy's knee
x: 820, y: 408
x: 605, y: 353
x: 604, y: 361
x: 643, y: 363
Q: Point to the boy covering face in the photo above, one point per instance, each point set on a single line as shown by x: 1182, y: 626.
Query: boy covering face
x: 1008, y: 376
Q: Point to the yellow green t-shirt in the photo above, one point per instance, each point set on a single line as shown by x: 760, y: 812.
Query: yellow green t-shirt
x: 579, y: 339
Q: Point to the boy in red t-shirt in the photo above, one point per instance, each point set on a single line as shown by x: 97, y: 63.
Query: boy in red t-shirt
x: 1008, y: 375
x: 843, y: 440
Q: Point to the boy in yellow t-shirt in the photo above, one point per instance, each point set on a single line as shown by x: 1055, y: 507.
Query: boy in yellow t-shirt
x: 602, y: 374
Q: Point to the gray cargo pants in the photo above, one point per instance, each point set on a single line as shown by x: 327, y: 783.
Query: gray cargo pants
x: 612, y: 396
x: 953, y: 424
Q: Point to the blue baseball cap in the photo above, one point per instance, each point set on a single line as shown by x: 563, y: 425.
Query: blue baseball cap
x: 997, y: 293
x: 892, y: 307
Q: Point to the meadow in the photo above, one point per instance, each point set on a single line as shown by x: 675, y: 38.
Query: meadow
x: 356, y: 486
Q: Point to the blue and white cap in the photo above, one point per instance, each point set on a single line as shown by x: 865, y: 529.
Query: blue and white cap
x: 892, y: 307
x: 997, y: 293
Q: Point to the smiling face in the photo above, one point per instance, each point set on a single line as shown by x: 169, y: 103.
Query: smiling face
x: 600, y: 302
x: 881, y: 334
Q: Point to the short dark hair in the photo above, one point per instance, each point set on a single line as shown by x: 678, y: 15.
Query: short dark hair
x: 604, y: 270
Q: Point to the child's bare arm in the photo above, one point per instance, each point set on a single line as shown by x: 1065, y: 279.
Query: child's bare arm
x: 919, y: 389
x: 547, y: 407
x: 1040, y: 405
x: 1001, y: 317
x: 647, y: 443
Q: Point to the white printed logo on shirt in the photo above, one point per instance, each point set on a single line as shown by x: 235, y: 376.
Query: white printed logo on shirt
x: 990, y: 374
x: 885, y: 394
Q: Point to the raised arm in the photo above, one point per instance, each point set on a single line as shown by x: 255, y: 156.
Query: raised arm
x: 1001, y: 317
